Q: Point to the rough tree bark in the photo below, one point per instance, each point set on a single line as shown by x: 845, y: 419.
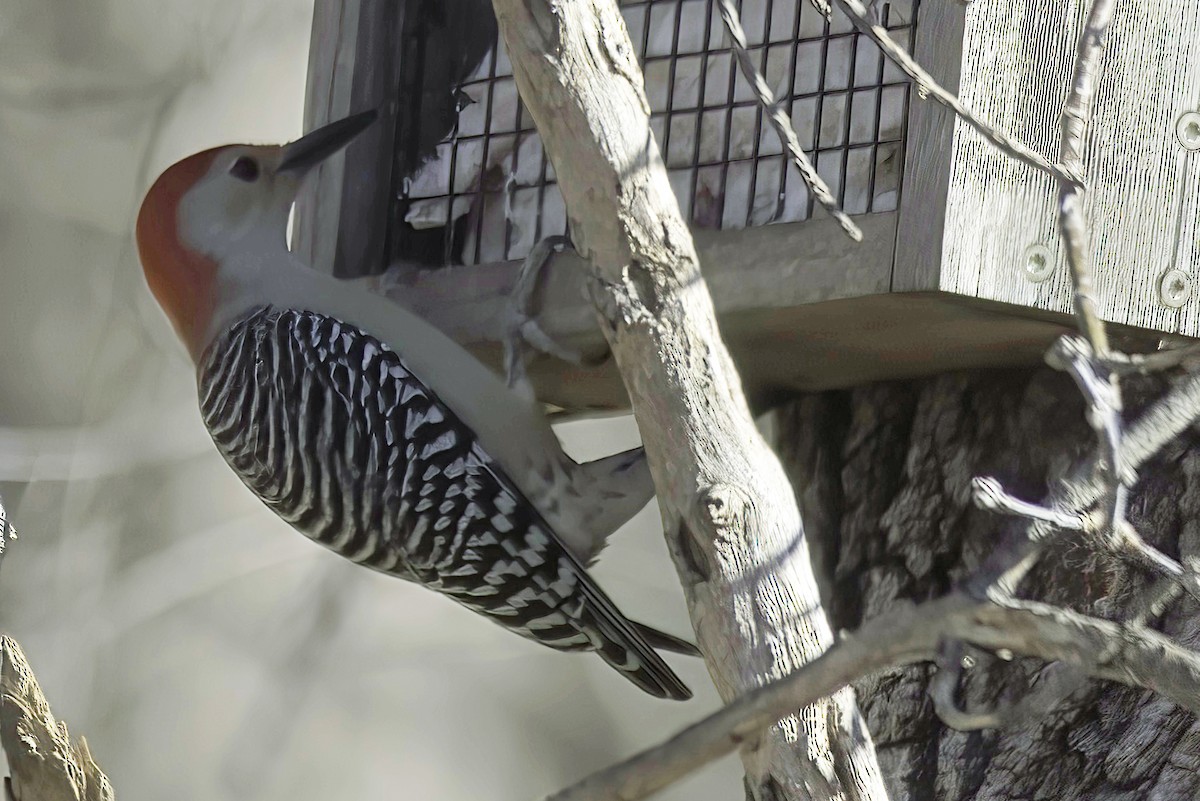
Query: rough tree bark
x: 883, y: 476
x: 731, y: 521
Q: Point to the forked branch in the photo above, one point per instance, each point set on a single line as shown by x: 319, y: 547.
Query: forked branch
x: 1126, y: 653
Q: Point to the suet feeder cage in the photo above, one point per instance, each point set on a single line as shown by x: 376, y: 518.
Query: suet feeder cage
x: 961, y: 265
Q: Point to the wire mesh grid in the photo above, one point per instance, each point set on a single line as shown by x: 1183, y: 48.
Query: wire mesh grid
x: 491, y: 191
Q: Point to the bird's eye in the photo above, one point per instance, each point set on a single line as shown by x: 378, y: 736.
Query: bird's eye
x: 245, y: 169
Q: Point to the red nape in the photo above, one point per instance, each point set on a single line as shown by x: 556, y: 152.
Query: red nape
x: 181, y: 279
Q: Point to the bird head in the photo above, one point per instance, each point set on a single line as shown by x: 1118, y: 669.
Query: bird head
x: 216, y: 204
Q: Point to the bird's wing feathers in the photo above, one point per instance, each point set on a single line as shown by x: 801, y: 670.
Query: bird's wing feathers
x: 399, y: 483
x: 617, y: 639
x: 539, y: 583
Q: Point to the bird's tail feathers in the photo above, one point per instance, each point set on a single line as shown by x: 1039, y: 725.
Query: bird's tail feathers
x: 620, y: 643
x: 662, y: 641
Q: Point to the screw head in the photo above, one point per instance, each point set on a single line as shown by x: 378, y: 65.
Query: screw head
x: 1039, y: 263
x: 1188, y: 130
x: 1175, y: 288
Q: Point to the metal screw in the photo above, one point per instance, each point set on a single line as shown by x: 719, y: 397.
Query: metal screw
x: 1188, y: 130
x: 1039, y: 264
x: 1175, y: 288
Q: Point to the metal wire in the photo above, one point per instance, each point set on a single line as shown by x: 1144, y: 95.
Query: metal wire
x: 846, y: 113
x: 781, y: 123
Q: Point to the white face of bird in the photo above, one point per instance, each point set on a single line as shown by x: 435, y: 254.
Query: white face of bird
x: 241, y: 203
x: 211, y: 207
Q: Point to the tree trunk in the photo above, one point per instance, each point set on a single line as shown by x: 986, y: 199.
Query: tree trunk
x: 883, y: 476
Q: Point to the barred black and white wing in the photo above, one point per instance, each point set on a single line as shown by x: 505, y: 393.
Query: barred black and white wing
x: 330, y: 429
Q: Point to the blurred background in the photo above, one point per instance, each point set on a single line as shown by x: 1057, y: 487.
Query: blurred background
x: 205, y: 649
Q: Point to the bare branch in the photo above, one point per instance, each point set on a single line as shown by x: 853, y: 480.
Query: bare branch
x: 1077, y: 116
x: 1132, y: 655
x: 729, y: 512
x: 989, y: 494
x: 1169, y: 417
x: 1102, y: 392
x: 45, y: 765
x: 928, y: 87
x: 1145, y: 363
x: 1153, y: 601
x: 781, y: 122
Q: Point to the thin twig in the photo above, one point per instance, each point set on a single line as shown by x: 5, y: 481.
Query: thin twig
x: 928, y: 87
x: 1146, y: 363
x: 1125, y: 541
x: 1106, y: 476
x: 1077, y: 116
x: 1054, y: 684
x: 1102, y: 391
x: 1155, y: 600
x: 1166, y: 419
x: 781, y: 122
x: 988, y: 494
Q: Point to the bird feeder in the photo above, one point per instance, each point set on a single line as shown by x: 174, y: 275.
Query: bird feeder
x: 960, y: 266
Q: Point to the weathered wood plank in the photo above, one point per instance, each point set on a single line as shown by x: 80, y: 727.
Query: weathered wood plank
x: 369, y: 161
x: 342, y: 217
x: 330, y: 82
x: 775, y: 267
x: 928, y: 148
x: 1142, y: 181
x: 801, y: 308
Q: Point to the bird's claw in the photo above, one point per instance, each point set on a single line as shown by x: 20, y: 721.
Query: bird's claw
x: 523, y: 330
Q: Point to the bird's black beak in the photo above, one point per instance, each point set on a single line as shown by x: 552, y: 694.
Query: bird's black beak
x: 316, y: 146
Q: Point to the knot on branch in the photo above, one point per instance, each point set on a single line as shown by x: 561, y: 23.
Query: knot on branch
x: 1067, y: 351
x: 720, y: 503
x: 623, y: 302
x: 725, y: 511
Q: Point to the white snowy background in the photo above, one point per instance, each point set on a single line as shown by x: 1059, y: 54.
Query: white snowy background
x: 205, y: 649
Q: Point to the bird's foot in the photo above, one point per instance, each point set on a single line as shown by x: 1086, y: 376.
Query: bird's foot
x: 523, y: 330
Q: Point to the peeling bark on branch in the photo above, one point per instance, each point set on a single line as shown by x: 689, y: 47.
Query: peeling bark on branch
x: 733, y: 526
x: 45, y: 764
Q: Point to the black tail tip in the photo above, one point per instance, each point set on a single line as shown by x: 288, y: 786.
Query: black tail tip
x: 668, y: 688
x: 662, y: 641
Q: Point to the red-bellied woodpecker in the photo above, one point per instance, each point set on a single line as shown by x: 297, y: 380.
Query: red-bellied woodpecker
x: 370, y: 431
